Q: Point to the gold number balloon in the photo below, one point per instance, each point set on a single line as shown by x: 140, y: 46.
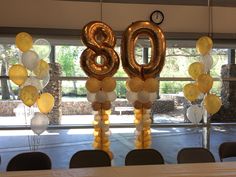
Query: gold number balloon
x: 100, y: 41
x: 157, y: 39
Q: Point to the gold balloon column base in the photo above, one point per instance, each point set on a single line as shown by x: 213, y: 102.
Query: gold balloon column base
x: 143, y: 131
x: 101, y: 131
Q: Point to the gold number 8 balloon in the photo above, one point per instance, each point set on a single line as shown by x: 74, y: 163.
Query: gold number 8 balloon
x: 100, y: 41
x: 142, y: 85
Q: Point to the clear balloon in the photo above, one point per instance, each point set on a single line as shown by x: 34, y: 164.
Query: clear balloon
x: 195, y: 114
x: 45, y: 103
x: 30, y: 59
x: 131, y: 96
x: 42, y: 47
x: 91, y: 97
x: 45, y: 81
x: 18, y: 74
x: 207, y: 61
x: 34, y: 82
x: 101, y: 96
x: 111, y: 96
x: 42, y: 69
x: 39, y: 123
x: 143, y: 97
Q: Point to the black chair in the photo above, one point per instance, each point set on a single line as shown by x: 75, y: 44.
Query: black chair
x: 143, y: 157
x: 195, y: 155
x: 227, y: 149
x: 29, y: 161
x: 90, y: 158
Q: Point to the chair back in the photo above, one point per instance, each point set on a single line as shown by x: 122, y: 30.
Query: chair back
x: 227, y: 149
x: 90, y: 158
x: 29, y: 161
x: 195, y: 155
x: 143, y: 157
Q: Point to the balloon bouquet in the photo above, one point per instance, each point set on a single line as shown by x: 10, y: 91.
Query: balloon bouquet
x: 100, y: 41
x: 142, y: 84
x: 32, y: 75
x: 200, y: 72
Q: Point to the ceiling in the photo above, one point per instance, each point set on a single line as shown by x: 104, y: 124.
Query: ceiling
x: 224, y: 3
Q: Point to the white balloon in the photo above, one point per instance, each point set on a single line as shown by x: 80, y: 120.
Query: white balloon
x: 143, y: 96
x: 42, y: 47
x: 195, y: 113
x: 39, y: 123
x: 131, y: 96
x: 152, y: 96
x: 91, y: 97
x: 111, y: 96
x: 207, y: 61
x: 34, y: 82
x: 30, y: 59
x: 101, y: 96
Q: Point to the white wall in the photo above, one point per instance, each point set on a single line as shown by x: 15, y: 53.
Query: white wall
x: 74, y: 15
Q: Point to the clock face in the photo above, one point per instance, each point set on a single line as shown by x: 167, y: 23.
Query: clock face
x: 157, y: 17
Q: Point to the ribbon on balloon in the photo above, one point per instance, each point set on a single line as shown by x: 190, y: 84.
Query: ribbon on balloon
x: 203, y: 82
x: 142, y: 85
x: 31, y: 74
x: 100, y: 62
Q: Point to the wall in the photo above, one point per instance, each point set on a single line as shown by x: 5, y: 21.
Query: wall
x: 74, y: 15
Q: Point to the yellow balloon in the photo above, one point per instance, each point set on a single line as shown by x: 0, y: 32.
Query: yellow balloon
x: 212, y: 103
x: 204, y: 83
x: 45, y: 103
x: 29, y: 95
x: 204, y: 45
x: 18, y: 74
x: 108, y: 84
x: 42, y: 69
x: 93, y: 85
x: 195, y: 69
x: 135, y: 84
x: 150, y: 85
x: 24, y: 41
x: 191, y: 92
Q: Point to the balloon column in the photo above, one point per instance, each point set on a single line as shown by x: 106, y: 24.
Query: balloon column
x: 32, y: 75
x: 142, y: 84
x: 100, y: 41
x: 200, y: 72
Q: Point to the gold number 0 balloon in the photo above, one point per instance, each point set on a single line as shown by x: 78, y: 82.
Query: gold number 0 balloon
x: 157, y: 40
x: 100, y: 41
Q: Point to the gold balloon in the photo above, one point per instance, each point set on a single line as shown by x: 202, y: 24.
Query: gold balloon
x: 212, y: 103
x: 100, y: 41
x: 42, y: 69
x: 24, y: 41
x: 204, y: 83
x: 191, y: 92
x: 135, y: 84
x: 150, y: 85
x: 18, y: 74
x: 45, y: 103
x: 195, y: 69
x: 157, y: 40
x: 93, y: 85
x: 108, y: 84
x: 204, y: 45
x: 29, y: 95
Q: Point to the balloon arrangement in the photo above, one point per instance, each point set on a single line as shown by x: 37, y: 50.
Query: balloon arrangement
x: 32, y: 75
x: 200, y: 72
x: 100, y: 41
x: 142, y: 84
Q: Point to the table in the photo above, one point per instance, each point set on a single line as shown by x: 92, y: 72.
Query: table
x: 176, y: 170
